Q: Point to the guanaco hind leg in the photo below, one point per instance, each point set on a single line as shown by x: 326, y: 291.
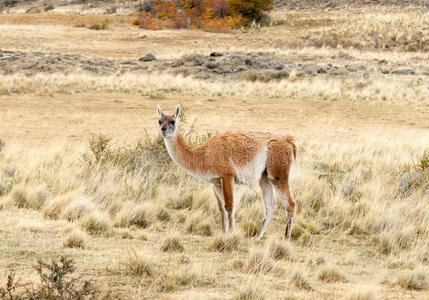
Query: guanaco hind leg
x: 270, y: 203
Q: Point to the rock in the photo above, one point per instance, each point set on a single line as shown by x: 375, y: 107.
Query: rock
x: 33, y: 10
x: 351, y: 68
x: 344, y: 55
x: 10, y: 3
x: 147, y: 57
x: 216, y: 54
x: 280, y: 74
x: 212, y: 65
x: 385, y: 71
x: 404, y: 71
x: 279, y: 67
x: 1, y: 145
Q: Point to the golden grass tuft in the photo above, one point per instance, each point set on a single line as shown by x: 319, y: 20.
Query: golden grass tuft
x: 56, y: 206
x: 280, y: 250
x: 140, y: 215
x: 413, y: 280
x: 172, y: 243
x: 138, y: 266
x: 225, y: 243
x: 251, y: 218
x: 97, y: 223
x: 250, y: 292
x: 200, y: 224
x: 76, y: 239
x: 78, y: 209
x: 330, y: 274
x: 259, y: 261
x: 23, y: 196
x: 298, y: 280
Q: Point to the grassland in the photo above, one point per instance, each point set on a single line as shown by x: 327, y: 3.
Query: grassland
x: 139, y: 227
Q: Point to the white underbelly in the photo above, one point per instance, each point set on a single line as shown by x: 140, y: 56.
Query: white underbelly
x: 251, y: 173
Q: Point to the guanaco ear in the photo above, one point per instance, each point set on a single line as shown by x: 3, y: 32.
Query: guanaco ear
x: 160, y: 113
x: 177, y: 111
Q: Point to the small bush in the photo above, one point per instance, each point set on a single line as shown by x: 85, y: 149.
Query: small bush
x: 225, y: 243
x: 76, y: 239
x: 251, y: 9
x: 300, y: 282
x: 415, y: 280
x: 104, y: 25
x: 54, y: 284
x: 331, y: 275
x: 172, y: 243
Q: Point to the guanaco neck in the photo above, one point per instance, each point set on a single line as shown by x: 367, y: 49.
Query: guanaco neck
x: 181, y: 153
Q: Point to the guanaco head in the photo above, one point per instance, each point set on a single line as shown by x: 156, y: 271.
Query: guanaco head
x: 168, y: 124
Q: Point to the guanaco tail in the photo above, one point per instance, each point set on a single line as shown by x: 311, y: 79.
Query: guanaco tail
x: 237, y: 157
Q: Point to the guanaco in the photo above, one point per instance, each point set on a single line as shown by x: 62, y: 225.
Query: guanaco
x: 237, y: 157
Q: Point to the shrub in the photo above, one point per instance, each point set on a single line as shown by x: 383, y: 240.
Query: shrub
x: 251, y: 9
x: 54, y: 284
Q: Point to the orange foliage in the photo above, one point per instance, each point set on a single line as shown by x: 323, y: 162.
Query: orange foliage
x: 209, y: 15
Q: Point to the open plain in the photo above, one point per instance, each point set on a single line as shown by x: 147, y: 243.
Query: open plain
x: 83, y: 174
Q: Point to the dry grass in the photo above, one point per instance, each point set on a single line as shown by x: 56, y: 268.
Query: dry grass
x: 414, y: 280
x: 76, y: 239
x: 298, y: 279
x: 402, y: 91
x: 362, y: 199
x: 329, y: 274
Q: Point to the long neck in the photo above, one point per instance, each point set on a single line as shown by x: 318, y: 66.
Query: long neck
x: 181, y: 153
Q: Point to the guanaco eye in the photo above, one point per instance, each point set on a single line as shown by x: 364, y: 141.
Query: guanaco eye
x: 172, y: 122
x: 159, y: 121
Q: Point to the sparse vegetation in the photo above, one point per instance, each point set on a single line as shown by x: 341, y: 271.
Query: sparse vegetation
x: 81, y: 175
